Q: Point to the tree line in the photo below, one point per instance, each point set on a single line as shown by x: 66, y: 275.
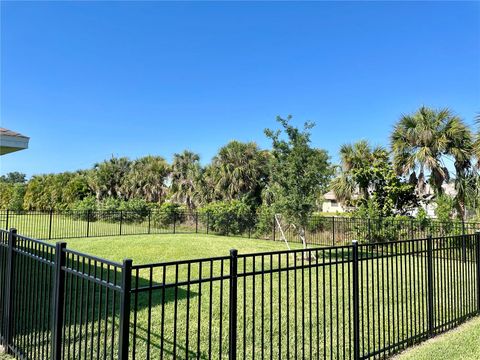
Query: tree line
x: 289, y: 178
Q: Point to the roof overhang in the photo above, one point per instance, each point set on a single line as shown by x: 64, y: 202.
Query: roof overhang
x: 10, y: 142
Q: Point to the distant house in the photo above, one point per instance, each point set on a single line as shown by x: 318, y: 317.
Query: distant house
x: 11, y: 141
x: 331, y: 204
x: 427, y: 201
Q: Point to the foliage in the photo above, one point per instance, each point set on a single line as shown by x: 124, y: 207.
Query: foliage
x: 444, y: 210
x: 185, y: 179
x: 165, y: 214
x: 55, y: 191
x: 12, y: 195
x: 14, y: 178
x: 239, y: 172
x: 146, y: 179
x: 110, y: 210
x: 422, y: 140
x: 228, y: 217
x: 107, y: 178
x: 299, y: 173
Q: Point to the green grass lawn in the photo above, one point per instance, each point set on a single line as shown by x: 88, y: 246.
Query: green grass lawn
x: 462, y: 343
x: 302, y: 312
x: 144, y: 249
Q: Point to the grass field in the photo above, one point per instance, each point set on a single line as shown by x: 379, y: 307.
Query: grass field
x: 302, y: 311
x: 459, y: 344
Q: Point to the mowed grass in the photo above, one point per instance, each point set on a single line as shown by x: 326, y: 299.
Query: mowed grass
x: 302, y: 312
x: 145, y: 249
x: 462, y: 343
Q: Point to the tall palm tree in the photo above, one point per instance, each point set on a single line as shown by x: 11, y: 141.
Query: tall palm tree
x: 355, y: 157
x: 185, y: 177
x: 476, y: 146
x: 147, y: 179
x: 106, y: 178
x: 421, y: 141
x: 240, y: 170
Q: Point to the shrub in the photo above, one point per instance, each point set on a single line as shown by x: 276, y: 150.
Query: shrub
x: 167, y: 213
x: 229, y: 217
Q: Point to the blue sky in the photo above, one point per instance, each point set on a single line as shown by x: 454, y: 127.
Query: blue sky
x: 88, y: 80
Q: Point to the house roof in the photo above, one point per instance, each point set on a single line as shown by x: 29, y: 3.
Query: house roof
x: 7, y: 132
x: 11, y: 141
x: 330, y: 195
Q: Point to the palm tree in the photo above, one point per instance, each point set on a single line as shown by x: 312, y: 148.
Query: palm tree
x: 354, y: 157
x: 240, y: 170
x: 422, y: 141
x: 147, y: 178
x: 476, y: 146
x: 106, y: 178
x: 185, y: 177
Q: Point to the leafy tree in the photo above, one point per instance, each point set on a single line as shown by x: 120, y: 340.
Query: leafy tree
x: 388, y: 194
x: 185, y: 178
x: 11, y: 195
x: 298, y: 172
x: 146, y: 179
x: 51, y: 191
x: 14, y: 178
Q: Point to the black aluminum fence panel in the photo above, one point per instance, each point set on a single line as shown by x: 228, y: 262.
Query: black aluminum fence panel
x: 3, y: 284
x: 295, y: 304
x: 92, y: 302
x: 352, y: 302
x: 32, y: 285
x: 319, y: 231
x: 180, y: 310
x: 57, y: 303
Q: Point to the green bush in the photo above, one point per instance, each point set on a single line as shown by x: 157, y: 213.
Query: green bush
x: 110, y: 210
x: 264, y: 221
x: 229, y: 217
x: 165, y: 214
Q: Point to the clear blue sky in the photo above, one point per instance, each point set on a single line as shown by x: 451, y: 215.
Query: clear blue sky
x: 88, y: 80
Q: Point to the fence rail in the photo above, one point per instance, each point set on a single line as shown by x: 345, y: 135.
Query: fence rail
x: 356, y: 301
x: 320, y: 230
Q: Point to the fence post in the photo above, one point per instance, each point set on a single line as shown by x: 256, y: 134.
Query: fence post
x: 58, y: 300
x: 232, y: 317
x: 9, y: 290
x: 50, y: 226
x: 123, y: 340
x: 208, y: 221
x: 149, y: 219
x: 174, y: 221
x: 411, y: 229
x: 88, y: 222
x: 369, y: 230
x: 274, y: 227
x: 430, y: 284
x: 121, y: 221
x: 333, y: 230
x: 477, y: 236
x: 196, y: 222
x: 356, y: 302
x: 6, y: 220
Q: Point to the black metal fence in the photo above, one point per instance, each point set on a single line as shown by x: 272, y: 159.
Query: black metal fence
x: 57, y: 303
x: 320, y: 230
x: 354, y: 302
